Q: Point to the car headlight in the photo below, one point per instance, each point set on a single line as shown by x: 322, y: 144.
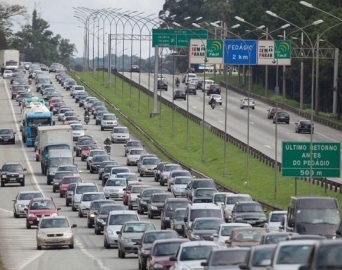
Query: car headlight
x: 143, y: 202
x: 195, y: 236
x: 4, y: 176
x: 67, y: 234
x: 166, y: 218
x: 158, y: 265
x: 100, y: 220
x: 41, y: 234
x: 54, y: 215
x: 126, y: 240
x: 92, y: 215
x: 178, y: 226
x: 21, y: 205
x: 21, y: 175
x: 77, y: 200
x: 154, y: 207
x: 31, y: 215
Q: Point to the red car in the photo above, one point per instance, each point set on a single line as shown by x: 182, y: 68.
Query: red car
x: 69, y: 119
x: 161, y: 252
x: 85, y: 149
x: 63, y: 185
x: 53, y: 101
x: 128, y: 190
x: 39, y: 207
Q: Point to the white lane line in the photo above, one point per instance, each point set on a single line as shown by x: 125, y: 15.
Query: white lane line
x: 221, y: 122
x: 21, y: 142
x: 267, y: 146
x: 85, y: 251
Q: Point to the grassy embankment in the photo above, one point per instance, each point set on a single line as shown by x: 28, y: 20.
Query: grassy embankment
x: 261, y: 177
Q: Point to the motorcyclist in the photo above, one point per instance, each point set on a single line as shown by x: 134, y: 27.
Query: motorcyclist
x: 86, y: 113
x: 212, y: 101
x: 107, y: 141
x: 177, y: 80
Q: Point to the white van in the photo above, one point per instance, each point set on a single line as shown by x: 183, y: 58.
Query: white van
x: 190, y: 76
x: 206, y: 85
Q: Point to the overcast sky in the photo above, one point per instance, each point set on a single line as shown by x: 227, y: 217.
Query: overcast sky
x: 60, y: 15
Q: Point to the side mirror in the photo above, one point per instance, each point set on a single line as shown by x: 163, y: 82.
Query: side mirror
x: 58, y: 208
x: 138, y: 196
x: 173, y: 259
x: 73, y: 225
x: 265, y: 262
x: 24, y: 169
x: 303, y: 267
x: 229, y: 242
x: 204, y: 263
x: 124, y: 189
x: 244, y: 266
x: 214, y: 235
x: 14, y: 132
x: 118, y: 232
x: 185, y: 219
x: 13, y: 200
x: 95, y: 213
x: 53, y: 123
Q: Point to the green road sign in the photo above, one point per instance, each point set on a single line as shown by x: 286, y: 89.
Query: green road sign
x: 175, y: 37
x: 214, y: 48
x: 325, y: 159
x: 283, y: 47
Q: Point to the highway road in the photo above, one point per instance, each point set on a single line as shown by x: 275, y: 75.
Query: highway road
x: 262, y: 130
x: 17, y: 244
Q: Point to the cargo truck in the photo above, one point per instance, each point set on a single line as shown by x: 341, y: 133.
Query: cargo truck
x: 54, y: 137
x: 33, y: 117
x: 9, y: 59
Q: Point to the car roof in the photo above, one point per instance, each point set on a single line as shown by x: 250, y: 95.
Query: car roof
x: 297, y: 243
x: 123, y: 212
x: 55, y: 217
x: 204, y: 206
x: 234, y: 224
x: 250, y: 229
x: 278, y: 212
x: 177, y: 200
x: 42, y: 199
x: 93, y: 192
x: 248, y: 202
x: 126, y: 173
x: 207, y: 218
x: 198, y: 243
x: 28, y: 191
x: 172, y: 240
x: 238, y: 195
x: 86, y: 184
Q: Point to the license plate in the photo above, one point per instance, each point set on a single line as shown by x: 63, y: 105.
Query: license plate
x: 55, y: 241
x: 13, y: 179
x: 251, y: 222
x: 5, y: 140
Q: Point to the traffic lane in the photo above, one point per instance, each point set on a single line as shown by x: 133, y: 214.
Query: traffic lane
x: 87, y: 240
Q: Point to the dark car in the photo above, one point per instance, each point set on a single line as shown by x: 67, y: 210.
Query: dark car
x: 281, y: 117
x: 256, y: 257
x: 214, y: 89
x: 103, y: 165
x: 69, y: 194
x: 304, y: 126
x: 80, y: 95
x: 249, y: 212
x: 146, y: 243
x: 102, y: 214
x: 134, y: 68
x: 144, y: 198
x: 198, y: 183
x: 96, y: 162
x: 275, y: 237
x: 203, y: 228
x: 22, y: 96
x: 225, y: 258
x: 155, y: 206
x: 57, y: 178
x: 113, y: 69
x: 179, y: 94
x: 161, y: 252
x: 271, y: 111
x: 162, y: 84
x: 107, y: 172
x: 170, y: 205
x: 94, y: 207
x: 177, y: 221
x: 82, y: 141
x: 12, y: 172
x: 99, y: 116
x: 203, y: 195
x: 7, y: 135
x: 158, y: 171
x: 191, y: 89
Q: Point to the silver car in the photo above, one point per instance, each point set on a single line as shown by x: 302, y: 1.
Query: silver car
x: 130, y: 233
x: 22, y: 200
x: 148, y: 165
x: 120, y: 134
x: 133, y: 156
x: 85, y: 201
x: 179, y: 185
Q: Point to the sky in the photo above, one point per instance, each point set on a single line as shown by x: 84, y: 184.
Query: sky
x: 60, y: 15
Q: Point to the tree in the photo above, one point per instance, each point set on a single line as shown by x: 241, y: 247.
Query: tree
x: 66, y: 51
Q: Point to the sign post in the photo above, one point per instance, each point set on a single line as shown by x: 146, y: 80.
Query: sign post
x: 325, y: 160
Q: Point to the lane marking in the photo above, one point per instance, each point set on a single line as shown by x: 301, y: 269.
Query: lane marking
x: 267, y: 146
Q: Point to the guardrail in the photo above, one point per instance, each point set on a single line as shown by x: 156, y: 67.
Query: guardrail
x: 323, y: 182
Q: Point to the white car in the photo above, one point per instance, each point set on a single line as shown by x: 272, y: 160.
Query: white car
x: 133, y: 195
x: 247, y: 103
x: 109, y: 120
x: 7, y: 74
x: 179, y: 185
x: 114, y: 188
x: 77, y: 131
x: 61, y: 113
x: 274, y: 220
x: 86, y: 199
x: 207, y: 84
x: 76, y: 89
x: 217, y: 98
x: 22, y: 200
x: 224, y: 231
x: 120, y: 134
x: 133, y: 156
x: 190, y: 255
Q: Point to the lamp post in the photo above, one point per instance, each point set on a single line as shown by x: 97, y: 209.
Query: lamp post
x: 304, y: 3
x: 312, y: 89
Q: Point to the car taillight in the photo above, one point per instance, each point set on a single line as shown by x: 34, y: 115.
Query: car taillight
x: 299, y: 126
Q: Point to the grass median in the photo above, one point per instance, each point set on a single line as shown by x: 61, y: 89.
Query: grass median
x: 173, y: 139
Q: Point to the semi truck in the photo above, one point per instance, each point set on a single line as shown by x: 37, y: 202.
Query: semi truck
x: 9, y: 59
x: 37, y: 114
x: 53, y: 137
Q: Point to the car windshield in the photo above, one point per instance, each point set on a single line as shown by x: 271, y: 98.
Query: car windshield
x: 71, y: 187
x: 12, y: 168
x: 203, y: 184
x: 96, y: 152
x: 137, y: 189
x: 160, y: 197
x: 101, y: 158
x: 118, y: 219
x: 77, y: 127
x: 109, y: 117
x: 182, y: 173
x: 150, y: 161
x: 277, y: 217
x: 293, y: 254
x: 275, y: 239
x: 150, y: 237
x: 97, y: 205
x: 329, y: 257
x: 6, y: 132
x: 57, y: 161
x: 247, y: 236
x: 261, y: 255
x: 54, y: 223
x: 235, y: 199
x: 165, y: 249
x: 83, y: 189
x: 182, y: 181
x: 92, y: 197
x: 318, y: 216
x: 171, y: 168
x: 172, y: 206
x: 119, y: 170
x: 137, y: 152
x: 196, y: 213
x: 195, y: 253
x: 69, y: 180
x: 251, y: 207
x: 179, y: 214
x: 305, y: 122
x: 120, y: 130
x: 227, y: 230
x: 149, y: 192
x: 207, y: 224
x: 85, y: 141
x: 128, y: 177
x: 29, y: 196
x: 219, y: 198
x: 108, y: 169
x: 72, y: 169
x: 228, y: 257
x: 205, y: 192
x: 104, y: 210
x: 45, y: 204
x: 115, y: 183
x: 138, y: 227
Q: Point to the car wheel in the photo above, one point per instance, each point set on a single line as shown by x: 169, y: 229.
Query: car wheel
x: 71, y: 246
x: 141, y: 175
x: 54, y: 190
x: 91, y: 170
x: 28, y: 225
x: 313, y: 131
x: 288, y: 123
x: 80, y: 214
x: 130, y: 207
x: 15, y: 214
x: 73, y: 208
x: 102, y: 129
x: 66, y: 203
x: 22, y: 183
x: 123, y: 254
x: 161, y: 183
x: 77, y: 154
x: 60, y: 195
x: 82, y: 158
x: 88, y: 167
x: 89, y: 225
x: 39, y: 248
x: 100, y: 178
x: 97, y: 232
x: 241, y: 107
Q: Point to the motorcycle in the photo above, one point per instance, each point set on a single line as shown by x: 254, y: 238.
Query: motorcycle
x: 177, y: 84
x: 107, y: 148
x: 30, y: 81
x: 213, y: 105
x: 86, y: 119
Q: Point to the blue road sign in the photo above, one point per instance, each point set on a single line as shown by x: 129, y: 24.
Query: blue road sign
x: 240, y: 52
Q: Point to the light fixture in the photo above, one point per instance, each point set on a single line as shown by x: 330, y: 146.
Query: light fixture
x: 239, y: 18
x: 271, y: 13
x: 285, y: 26
x: 214, y: 24
x: 235, y: 26
x: 306, y: 4
x: 187, y: 18
x: 217, y: 22
x: 196, y: 25
x: 317, y: 22
x: 173, y: 16
x: 199, y: 18
x: 261, y: 27
x: 176, y: 24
